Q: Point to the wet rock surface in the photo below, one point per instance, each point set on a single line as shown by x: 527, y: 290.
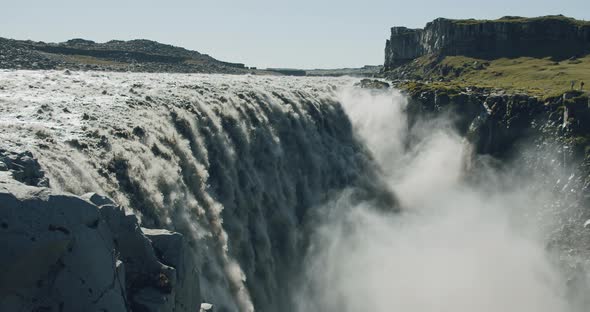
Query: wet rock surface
x: 23, y: 168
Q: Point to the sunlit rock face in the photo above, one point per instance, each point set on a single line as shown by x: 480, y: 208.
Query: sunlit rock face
x: 236, y: 164
x: 555, y: 36
x: 67, y: 253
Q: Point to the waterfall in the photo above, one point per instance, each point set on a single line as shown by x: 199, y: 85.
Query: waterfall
x: 235, y: 163
x: 285, y: 189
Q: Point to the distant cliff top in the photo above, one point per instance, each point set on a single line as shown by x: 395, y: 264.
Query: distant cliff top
x: 540, y: 56
x: 510, y: 36
x: 134, y: 55
x: 520, y: 19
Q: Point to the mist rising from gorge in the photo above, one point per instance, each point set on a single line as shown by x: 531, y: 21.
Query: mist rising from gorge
x: 471, y: 235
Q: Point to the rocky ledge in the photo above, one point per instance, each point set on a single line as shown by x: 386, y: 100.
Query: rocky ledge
x: 496, y: 121
x: 62, y: 252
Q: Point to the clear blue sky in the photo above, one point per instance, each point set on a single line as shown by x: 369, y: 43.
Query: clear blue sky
x: 263, y: 33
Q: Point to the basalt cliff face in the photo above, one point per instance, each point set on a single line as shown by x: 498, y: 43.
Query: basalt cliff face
x: 554, y: 36
x: 550, y: 137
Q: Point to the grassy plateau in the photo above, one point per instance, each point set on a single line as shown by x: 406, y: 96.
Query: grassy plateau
x: 539, y: 77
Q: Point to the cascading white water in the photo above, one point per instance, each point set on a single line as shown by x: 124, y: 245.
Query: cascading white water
x: 233, y: 162
x: 284, y: 187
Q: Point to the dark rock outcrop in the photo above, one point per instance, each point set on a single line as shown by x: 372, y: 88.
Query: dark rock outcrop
x: 495, y: 123
x: 372, y: 84
x: 554, y: 36
x: 62, y: 252
x: 23, y: 168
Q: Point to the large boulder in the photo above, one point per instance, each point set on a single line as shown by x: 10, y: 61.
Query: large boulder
x: 172, y: 249
x: 372, y: 84
x: 62, y: 252
x: 57, y: 254
x: 23, y: 167
x: 150, y: 284
x: 97, y: 199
